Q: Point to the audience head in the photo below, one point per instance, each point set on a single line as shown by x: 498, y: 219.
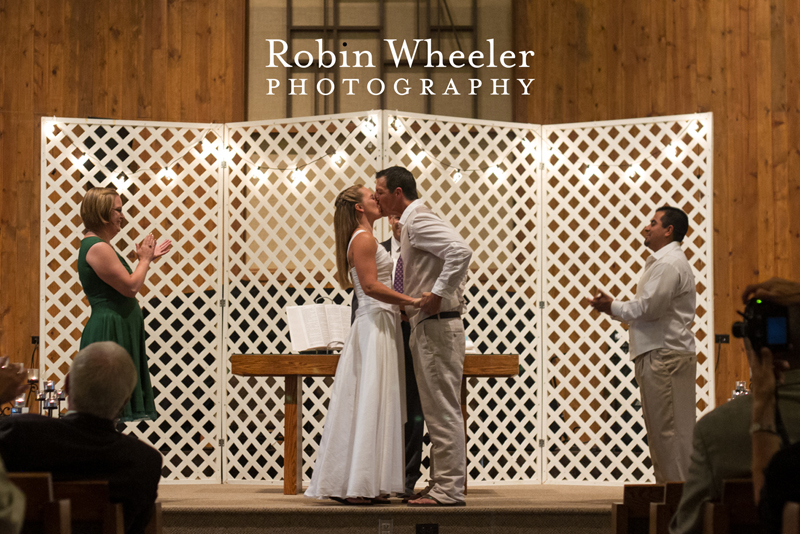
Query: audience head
x: 395, y: 187
x: 101, y: 380
x: 97, y: 208
x: 345, y: 222
x: 394, y: 225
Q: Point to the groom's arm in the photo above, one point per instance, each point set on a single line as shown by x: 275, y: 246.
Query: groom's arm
x: 431, y: 234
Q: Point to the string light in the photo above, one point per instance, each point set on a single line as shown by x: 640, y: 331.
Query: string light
x: 298, y: 175
x: 591, y: 170
x: 168, y: 174
x: 49, y: 128
x: 337, y: 158
x: 418, y: 157
x: 369, y: 127
x: 397, y: 125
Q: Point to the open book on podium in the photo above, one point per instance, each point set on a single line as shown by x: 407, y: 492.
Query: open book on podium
x: 318, y: 326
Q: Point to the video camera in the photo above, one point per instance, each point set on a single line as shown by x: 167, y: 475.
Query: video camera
x: 769, y: 325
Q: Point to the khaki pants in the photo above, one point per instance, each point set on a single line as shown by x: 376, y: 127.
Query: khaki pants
x: 667, y: 381
x: 437, y: 346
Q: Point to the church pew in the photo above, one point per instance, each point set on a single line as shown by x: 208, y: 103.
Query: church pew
x: 631, y: 516
x: 736, y: 513
x: 92, y: 510
x: 661, y: 513
x: 43, y: 514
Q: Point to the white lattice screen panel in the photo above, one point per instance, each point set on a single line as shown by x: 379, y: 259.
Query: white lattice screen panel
x: 180, y: 299
x: 484, y: 178
x: 281, y: 251
x: 564, y: 230
x: 603, y: 182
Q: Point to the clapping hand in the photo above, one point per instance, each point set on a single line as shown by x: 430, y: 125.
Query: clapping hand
x: 146, y: 250
x: 149, y: 250
x: 601, y: 302
x: 13, y: 380
x: 162, y: 248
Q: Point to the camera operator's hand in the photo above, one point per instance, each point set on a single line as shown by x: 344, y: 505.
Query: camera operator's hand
x: 766, y: 374
x: 777, y: 290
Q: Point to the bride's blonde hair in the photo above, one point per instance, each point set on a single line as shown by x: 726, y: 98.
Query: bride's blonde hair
x: 345, y: 222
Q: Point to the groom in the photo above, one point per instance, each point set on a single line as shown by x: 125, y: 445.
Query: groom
x: 435, y: 263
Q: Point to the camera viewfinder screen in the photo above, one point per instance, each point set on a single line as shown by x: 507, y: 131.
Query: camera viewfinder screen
x: 776, y: 330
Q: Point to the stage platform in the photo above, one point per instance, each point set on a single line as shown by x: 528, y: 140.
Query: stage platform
x: 250, y: 509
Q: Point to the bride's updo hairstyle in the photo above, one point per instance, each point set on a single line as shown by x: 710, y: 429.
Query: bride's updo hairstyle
x: 345, y: 222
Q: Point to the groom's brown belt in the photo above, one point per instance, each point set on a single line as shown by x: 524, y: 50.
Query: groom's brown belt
x: 443, y: 315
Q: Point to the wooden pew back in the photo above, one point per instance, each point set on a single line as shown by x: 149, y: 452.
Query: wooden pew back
x: 92, y: 510
x: 631, y: 516
x: 736, y: 513
x: 43, y: 514
x: 661, y: 513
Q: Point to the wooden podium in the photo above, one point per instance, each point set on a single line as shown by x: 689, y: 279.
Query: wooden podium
x: 296, y: 366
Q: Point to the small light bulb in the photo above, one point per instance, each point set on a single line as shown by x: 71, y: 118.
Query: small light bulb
x: 298, y: 176
x: 457, y: 176
x: 338, y: 158
x: 397, y: 125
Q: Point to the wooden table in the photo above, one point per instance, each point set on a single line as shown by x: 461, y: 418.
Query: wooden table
x: 296, y: 366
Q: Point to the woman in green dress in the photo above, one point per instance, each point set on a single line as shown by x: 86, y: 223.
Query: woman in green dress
x: 111, y: 286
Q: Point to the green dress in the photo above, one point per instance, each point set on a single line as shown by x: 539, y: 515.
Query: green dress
x: 117, y: 318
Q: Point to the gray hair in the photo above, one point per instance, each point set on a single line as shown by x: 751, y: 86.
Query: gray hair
x: 101, y: 379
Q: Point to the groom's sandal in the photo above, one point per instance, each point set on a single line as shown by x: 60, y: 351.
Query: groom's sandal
x: 428, y: 501
x: 410, y: 497
x: 380, y: 499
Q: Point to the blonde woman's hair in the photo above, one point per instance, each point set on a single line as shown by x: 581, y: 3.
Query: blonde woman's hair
x: 345, y: 222
x: 96, y: 207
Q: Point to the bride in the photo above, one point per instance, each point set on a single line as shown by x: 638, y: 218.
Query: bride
x: 360, y: 457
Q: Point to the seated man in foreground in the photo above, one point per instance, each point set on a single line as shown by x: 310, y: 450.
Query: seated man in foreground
x: 722, y: 444
x: 84, y: 444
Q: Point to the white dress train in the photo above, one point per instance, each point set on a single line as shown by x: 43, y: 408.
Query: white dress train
x: 361, y: 452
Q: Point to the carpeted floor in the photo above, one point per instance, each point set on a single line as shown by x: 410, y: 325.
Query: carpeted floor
x: 251, y: 509
x: 246, y: 497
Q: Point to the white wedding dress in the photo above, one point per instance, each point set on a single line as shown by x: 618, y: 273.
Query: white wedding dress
x: 361, y: 452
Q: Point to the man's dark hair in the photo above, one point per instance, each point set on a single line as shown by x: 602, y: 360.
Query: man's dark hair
x: 399, y: 177
x: 676, y: 218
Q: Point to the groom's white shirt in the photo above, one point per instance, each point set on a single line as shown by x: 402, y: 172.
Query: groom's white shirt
x: 435, y: 259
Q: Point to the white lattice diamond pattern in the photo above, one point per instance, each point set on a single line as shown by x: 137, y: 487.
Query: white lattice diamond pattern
x: 494, y: 204
x: 180, y: 297
x: 283, y: 179
x: 585, y: 215
x: 603, y: 182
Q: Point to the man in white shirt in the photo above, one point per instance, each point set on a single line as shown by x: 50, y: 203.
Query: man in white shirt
x: 662, y: 343
x: 435, y: 263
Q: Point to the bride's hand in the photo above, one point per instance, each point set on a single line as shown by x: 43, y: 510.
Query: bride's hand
x: 416, y: 303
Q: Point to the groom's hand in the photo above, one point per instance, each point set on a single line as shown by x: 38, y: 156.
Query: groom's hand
x: 430, y: 303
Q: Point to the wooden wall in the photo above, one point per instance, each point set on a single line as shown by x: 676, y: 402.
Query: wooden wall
x: 740, y: 59
x: 161, y: 60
